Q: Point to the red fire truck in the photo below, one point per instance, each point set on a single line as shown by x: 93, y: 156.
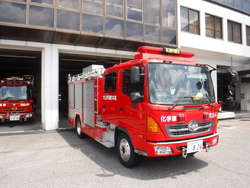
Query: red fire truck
x: 17, y: 98
x: 161, y: 103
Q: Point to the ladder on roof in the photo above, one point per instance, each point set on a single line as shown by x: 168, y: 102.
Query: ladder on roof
x: 91, y: 72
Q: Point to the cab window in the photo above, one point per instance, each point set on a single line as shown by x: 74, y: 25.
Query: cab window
x: 127, y: 87
x: 110, y: 82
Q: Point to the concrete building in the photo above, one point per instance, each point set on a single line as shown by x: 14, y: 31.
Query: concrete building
x: 53, y: 38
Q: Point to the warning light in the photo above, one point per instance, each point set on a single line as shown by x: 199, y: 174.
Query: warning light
x: 155, y: 50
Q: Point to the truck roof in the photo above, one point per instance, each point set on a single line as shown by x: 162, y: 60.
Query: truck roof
x: 153, y: 54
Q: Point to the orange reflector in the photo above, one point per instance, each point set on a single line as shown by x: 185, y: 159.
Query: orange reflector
x: 152, y: 126
x: 140, y: 136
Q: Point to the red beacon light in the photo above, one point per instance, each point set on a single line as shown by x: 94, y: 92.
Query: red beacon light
x: 169, y: 51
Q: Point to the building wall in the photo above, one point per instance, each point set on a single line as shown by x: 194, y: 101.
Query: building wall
x: 210, y: 44
x: 217, y: 52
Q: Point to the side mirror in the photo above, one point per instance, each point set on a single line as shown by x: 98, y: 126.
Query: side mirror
x: 136, y: 97
x: 135, y: 75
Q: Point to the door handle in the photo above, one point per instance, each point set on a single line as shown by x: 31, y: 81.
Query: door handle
x: 104, y: 106
x: 122, y: 109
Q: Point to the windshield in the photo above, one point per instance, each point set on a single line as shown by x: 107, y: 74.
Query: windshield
x: 182, y: 84
x: 15, y: 93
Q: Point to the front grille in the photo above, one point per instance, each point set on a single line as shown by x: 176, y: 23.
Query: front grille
x: 183, y: 130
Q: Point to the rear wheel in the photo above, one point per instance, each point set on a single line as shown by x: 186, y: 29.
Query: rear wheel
x: 125, y: 149
x: 79, y: 132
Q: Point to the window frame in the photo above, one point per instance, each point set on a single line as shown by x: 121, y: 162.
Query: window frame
x: 190, y: 27
x: 215, y: 30
x: 232, y: 37
x: 248, y: 35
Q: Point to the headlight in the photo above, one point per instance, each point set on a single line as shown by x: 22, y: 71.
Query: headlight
x: 162, y: 150
x: 28, y: 115
x: 24, y: 104
x: 215, y: 140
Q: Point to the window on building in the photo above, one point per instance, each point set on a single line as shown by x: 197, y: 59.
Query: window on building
x: 46, y: 2
x: 94, y: 7
x: 242, y: 5
x: 114, y: 27
x: 248, y: 35
x: 92, y: 23
x: 168, y: 30
x: 152, y: 33
x: 134, y: 10
x: 168, y: 13
x: 73, y: 4
x: 213, y: 26
x: 68, y: 20
x: 246, y: 5
x: 110, y: 82
x: 134, y: 30
x: 229, y: 2
x: 114, y: 8
x: 238, y: 4
x: 168, y: 36
x: 13, y: 12
x: 190, y: 20
x: 41, y: 16
x: 151, y: 12
x: 234, y: 32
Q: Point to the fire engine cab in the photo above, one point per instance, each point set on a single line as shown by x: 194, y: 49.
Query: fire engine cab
x: 161, y: 103
x: 17, y: 98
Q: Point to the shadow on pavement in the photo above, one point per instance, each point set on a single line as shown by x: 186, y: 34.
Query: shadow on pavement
x: 148, y: 168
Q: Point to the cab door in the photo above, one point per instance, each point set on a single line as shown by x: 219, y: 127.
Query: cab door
x: 132, y: 116
x: 110, y: 98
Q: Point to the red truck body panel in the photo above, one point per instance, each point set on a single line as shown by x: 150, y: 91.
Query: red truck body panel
x: 175, y: 127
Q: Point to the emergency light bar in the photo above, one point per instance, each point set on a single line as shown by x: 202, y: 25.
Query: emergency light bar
x: 155, y: 50
x: 28, y: 79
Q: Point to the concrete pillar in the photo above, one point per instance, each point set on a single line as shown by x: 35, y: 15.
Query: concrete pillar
x: 49, y: 87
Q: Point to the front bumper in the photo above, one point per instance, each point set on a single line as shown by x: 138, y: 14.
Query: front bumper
x: 177, y: 147
x: 16, y: 116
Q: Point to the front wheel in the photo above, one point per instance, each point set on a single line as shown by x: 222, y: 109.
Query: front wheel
x: 79, y: 132
x: 125, y: 149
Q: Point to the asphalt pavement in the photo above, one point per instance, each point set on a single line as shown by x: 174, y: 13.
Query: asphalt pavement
x: 37, y: 158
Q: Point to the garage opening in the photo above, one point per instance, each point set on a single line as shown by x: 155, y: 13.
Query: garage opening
x: 17, y: 63
x: 229, y: 102
x: 73, y: 64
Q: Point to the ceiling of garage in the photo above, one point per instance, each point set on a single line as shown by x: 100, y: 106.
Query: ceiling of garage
x: 20, y: 62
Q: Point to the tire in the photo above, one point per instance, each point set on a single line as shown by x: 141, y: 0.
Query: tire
x: 125, y: 150
x: 78, y: 128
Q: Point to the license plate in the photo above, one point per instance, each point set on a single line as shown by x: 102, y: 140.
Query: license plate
x: 194, y: 146
x: 14, y: 117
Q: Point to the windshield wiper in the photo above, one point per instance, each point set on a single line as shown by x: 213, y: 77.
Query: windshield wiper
x: 177, y: 102
x: 8, y: 98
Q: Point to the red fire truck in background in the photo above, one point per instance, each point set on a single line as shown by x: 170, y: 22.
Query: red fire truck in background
x: 161, y: 103
x: 17, y: 98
